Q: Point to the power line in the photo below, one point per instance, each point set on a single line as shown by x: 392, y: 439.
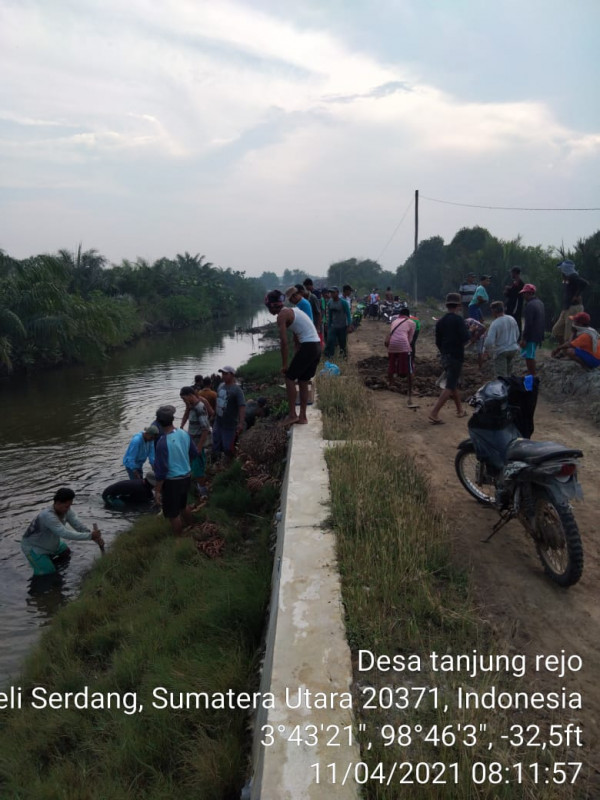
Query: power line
x: 504, y: 208
x: 397, y: 228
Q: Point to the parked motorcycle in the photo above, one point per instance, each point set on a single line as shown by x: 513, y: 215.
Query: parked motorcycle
x: 531, y: 481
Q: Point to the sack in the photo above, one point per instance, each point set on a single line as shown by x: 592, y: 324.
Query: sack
x: 330, y: 369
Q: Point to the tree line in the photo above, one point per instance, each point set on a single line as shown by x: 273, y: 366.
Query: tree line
x: 439, y: 268
x: 76, y: 307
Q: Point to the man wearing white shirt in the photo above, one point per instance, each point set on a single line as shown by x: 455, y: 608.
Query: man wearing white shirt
x: 502, y: 340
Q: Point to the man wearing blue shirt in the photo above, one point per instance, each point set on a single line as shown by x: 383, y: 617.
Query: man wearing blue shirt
x: 175, y: 452
x: 141, y: 447
x: 480, y: 298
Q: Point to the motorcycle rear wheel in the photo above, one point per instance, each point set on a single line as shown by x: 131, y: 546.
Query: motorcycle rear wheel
x: 557, y: 540
x: 470, y: 472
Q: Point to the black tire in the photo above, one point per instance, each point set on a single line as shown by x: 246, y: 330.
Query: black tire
x: 557, y: 540
x: 469, y: 469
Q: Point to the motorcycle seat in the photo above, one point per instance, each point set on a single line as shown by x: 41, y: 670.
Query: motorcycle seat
x: 538, y: 452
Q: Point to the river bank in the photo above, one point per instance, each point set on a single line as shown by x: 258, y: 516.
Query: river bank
x: 71, y: 427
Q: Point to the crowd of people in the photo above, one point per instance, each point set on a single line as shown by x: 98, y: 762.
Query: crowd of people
x: 216, y: 410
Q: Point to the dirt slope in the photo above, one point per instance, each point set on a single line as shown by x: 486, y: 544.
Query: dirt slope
x: 533, y: 615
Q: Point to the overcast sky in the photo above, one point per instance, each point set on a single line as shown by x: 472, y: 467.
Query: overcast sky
x: 270, y: 135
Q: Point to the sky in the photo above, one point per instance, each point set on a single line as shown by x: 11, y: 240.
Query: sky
x: 270, y: 136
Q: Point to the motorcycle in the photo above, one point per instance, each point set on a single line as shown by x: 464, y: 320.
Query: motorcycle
x: 533, y: 482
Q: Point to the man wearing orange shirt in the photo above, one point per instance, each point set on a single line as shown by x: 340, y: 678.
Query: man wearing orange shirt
x: 584, y: 346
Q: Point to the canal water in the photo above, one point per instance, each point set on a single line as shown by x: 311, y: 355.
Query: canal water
x: 70, y: 427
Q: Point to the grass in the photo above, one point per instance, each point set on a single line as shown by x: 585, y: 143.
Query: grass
x: 403, y: 595
x: 152, y: 613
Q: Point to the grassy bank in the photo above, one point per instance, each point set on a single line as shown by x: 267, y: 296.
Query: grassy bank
x: 404, y: 596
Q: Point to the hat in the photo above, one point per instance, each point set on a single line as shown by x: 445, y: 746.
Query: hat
x: 453, y: 299
x: 529, y: 288
x: 152, y: 430
x: 274, y: 298
x: 582, y: 318
x: 227, y: 369
x: 567, y: 267
x: 334, y: 289
x: 151, y: 478
x: 291, y: 292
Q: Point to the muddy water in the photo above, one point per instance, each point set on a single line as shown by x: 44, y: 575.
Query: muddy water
x: 71, y: 428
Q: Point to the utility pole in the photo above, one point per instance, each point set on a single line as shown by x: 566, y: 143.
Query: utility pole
x: 416, y: 238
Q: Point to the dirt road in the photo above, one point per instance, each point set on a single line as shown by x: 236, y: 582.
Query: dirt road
x: 525, y: 608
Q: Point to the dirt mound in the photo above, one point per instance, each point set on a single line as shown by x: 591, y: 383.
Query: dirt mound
x: 373, y: 371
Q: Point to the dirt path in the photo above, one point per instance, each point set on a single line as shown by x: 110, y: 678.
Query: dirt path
x: 524, y: 606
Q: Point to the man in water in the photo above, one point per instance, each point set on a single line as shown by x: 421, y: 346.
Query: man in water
x: 42, y: 543
x: 307, y: 353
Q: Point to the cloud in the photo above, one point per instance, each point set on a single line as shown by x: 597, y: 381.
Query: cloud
x: 238, y: 120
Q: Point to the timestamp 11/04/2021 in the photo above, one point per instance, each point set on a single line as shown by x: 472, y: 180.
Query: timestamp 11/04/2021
x: 423, y: 773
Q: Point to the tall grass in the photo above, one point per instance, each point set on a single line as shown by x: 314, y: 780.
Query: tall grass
x: 403, y: 594
x: 153, y: 613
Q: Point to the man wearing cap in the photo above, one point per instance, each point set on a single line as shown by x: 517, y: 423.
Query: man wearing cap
x: 306, y: 357
x: 584, y: 347
x: 339, y: 323
x: 175, y: 452
x: 451, y: 335
x: 480, y: 298
x: 514, y: 298
x: 466, y: 291
x: 141, y: 447
x: 295, y: 295
x: 534, y: 326
x: 572, y: 303
x: 230, y: 416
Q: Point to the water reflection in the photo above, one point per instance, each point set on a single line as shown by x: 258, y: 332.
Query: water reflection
x: 71, y: 427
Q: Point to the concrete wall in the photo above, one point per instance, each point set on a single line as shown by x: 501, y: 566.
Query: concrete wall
x: 306, y: 649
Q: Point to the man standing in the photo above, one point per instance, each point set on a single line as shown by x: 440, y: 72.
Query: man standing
x: 339, y: 322
x: 306, y: 357
x: 230, y: 416
x: 295, y: 295
x: 467, y: 290
x: 208, y: 393
x: 451, y: 335
x: 534, y: 324
x: 42, y: 543
x: 514, y: 298
x: 502, y: 340
x: 175, y: 452
x: 315, y: 303
x: 141, y: 447
x: 200, y: 431
x: 572, y: 303
x: 347, y: 292
x: 480, y: 298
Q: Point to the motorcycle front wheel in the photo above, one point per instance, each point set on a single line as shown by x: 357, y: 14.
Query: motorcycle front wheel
x: 557, y: 540
x: 473, y: 475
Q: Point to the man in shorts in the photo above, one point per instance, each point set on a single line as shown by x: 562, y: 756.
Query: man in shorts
x: 175, y: 452
x: 451, y: 335
x: 307, y: 345
x: 534, y: 325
